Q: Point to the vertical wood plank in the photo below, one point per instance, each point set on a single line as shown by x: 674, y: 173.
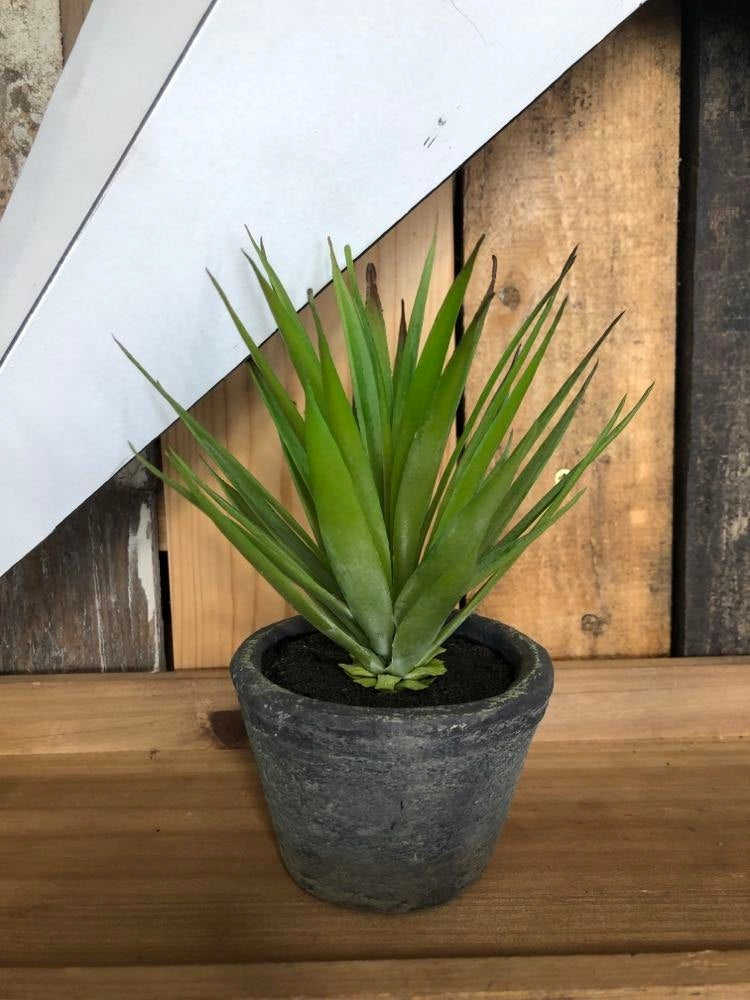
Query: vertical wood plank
x: 712, y: 585
x: 88, y: 597
x: 216, y: 597
x: 72, y: 16
x: 594, y: 161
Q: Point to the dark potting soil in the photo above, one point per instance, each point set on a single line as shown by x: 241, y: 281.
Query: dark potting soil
x: 308, y: 665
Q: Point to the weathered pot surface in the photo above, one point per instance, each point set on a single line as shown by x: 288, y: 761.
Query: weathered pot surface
x: 390, y: 809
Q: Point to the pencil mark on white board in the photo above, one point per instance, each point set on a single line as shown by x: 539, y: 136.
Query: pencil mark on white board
x: 431, y: 138
x: 466, y: 17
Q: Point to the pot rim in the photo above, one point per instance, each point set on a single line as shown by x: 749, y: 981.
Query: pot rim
x: 528, y: 693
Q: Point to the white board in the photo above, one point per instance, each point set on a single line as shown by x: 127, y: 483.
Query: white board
x: 124, y: 54
x: 332, y: 123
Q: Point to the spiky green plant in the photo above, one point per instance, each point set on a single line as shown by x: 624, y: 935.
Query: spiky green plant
x: 393, y: 543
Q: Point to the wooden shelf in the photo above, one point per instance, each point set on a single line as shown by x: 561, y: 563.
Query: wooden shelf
x: 136, y: 857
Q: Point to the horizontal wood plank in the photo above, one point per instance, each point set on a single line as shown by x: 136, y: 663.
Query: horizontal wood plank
x: 154, y: 858
x: 691, y: 698
x: 706, y: 975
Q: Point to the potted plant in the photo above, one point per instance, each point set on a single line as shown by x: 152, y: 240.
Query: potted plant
x: 389, y: 722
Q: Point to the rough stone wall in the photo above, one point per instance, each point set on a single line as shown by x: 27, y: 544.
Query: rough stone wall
x: 30, y: 63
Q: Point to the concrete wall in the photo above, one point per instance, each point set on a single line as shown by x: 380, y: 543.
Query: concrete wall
x: 30, y: 62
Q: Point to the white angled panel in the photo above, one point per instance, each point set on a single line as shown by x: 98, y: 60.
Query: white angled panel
x: 124, y: 53
x: 302, y: 122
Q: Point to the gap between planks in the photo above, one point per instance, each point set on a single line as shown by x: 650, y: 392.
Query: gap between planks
x: 703, y: 975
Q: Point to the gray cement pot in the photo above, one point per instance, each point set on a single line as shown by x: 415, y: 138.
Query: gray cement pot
x: 390, y: 809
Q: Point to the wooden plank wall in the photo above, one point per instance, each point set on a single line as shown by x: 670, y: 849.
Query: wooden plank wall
x: 712, y: 599
x: 217, y: 599
x: 88, y: 597
x: 595, y: 161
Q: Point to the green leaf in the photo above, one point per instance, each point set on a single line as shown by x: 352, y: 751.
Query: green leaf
x: 242, y: 479
x: 275, y: 281
x: 449, y: 478
x: 264, y: 375
x: 355, y: 670
x: 537, y: 317
x: 469, y: 475
x: 433, y: 668
x: 449, y: 566
x: 320, y: 585
x: 369, y: 392
x: 400, y: 346
x: 359, y: 674
x: 409, y: 337
x: 343, y: 427
x: 557, y: 494
x: 292, y: 331
x: 293, y: 447
x: 280, y: 525
x: 386, y: 682
x: 501, y: 566
x: 351, y: 551
x: 426, y: 451
x: 516, y: 353
x: 318, y: 616
x: 532, y: 470
x: 422, y: 385
x: 370, y: 313
x: 472, y: 469
x: 366, y: 472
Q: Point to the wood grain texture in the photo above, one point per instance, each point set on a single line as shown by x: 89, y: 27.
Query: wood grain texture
x: 705, y: 975
x: 159, y: 858
x: 88, y: 597
x: 595, y: 701
x: 712, y: 585
x: 72, y: 16
x: 594, y: 161
x: 137, y: 858
x: 217, y: 599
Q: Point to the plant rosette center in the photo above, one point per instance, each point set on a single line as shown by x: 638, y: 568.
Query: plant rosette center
x: 416, y: 679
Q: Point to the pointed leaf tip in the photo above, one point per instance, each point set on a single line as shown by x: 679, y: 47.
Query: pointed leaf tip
x: 570, y: 261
